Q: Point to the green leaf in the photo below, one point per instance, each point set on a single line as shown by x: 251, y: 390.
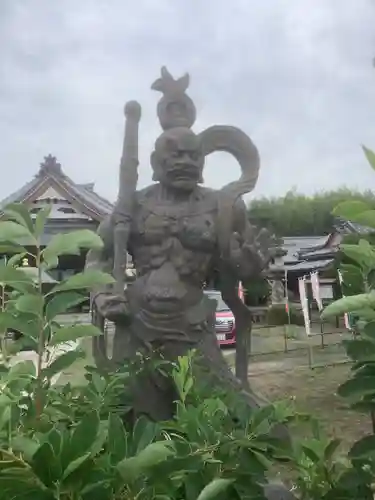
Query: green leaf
x: 214, y: 488
x: 360, y: 350
x: 100, y: 490
x: 72, y: 243
x: 22, y: 368
x: 30, y: 303
x: 153, y: 454
x: 363, y: 448
x: 369, y: 331
x: 331, y: 449
x: 85, y: 280
x: 41, y: 219
x: 117, y: 439
x: 83, y: 437
x: 20, y: 213
x: 45, y: 466
x: 144, y: 433
x: 14, y: 277
x: 362, y: 253
x: 73, y: 333
x: 21, y: 322
x: 349, y: 209
x: 365, y: 314
x: 27, y: 446
x: 357, y: 387
x: 349, y: 304
x: 363, y: 406
x: 366, y: 218
x: 10, y: 248
x: 5, y: 417
x: 101, y: 437
x: 23, y: 343
x: 370, y: 155
x: 75, y: 464
x: 15, y: 259
x: 262, y: 416
x: 63, y: 362
x: 61, y: 302
x: 51, y: 263
x: 54, y: 438
x: 11, y: 232
x: 311, y: 452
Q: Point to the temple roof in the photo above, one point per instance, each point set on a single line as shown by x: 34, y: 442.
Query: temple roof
x: 51, y: 183
x: 305, y: 253
x: 299, y: 244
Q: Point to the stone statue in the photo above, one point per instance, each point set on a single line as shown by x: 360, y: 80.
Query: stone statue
x: 178, y: 234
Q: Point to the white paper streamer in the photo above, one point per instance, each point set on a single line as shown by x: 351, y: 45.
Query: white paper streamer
x: 304, y: 303
x: 315, y: 286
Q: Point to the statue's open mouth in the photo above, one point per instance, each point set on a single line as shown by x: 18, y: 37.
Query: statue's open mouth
x: 185, y: 172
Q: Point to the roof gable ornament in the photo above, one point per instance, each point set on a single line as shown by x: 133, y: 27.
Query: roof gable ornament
x: 50, y: 166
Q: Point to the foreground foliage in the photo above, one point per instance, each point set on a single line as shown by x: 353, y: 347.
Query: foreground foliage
x: 358, y: 276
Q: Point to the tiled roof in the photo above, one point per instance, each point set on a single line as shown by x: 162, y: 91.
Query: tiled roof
x: 309, y: 266
x: 50, y: 173
x: 20, y: 194
x: 294, y: 245
x: 302, y: 266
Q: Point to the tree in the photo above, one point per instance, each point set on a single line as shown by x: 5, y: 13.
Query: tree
x: 296, y: 214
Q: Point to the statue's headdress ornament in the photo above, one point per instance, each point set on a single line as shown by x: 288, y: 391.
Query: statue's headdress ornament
x: 175, y: 108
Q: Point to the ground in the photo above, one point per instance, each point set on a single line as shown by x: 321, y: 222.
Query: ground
x: 314, y: 392
x: 309, y: 373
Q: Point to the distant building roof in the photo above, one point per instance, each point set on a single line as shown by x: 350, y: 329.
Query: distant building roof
x: 294, y: 245
x: 308, y: 253
x: 348, y: 227
x: 52, y: 178
x: 309, y: 265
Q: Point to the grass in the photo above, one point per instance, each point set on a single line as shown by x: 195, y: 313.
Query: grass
x: 288, y: 338
x: 315, y: 392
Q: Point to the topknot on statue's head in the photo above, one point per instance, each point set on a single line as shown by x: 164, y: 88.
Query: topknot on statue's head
x: 175, y: 108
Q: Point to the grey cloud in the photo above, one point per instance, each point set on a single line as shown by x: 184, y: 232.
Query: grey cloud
x: 296, y: 75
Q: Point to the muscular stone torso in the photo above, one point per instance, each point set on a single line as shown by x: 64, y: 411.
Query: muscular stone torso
x: 173, y: 246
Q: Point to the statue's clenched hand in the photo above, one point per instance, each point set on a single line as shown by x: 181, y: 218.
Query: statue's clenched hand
x: 113, y: 307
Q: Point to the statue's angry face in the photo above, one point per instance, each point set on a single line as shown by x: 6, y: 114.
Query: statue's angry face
x: 178, y: 160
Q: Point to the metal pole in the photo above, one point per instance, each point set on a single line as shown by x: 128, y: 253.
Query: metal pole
x: 286, y: 294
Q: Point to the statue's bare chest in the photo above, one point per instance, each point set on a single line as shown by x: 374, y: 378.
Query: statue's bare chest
x: 193, y: 224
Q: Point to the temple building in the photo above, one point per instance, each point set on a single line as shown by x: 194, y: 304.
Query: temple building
x: 74, y: 206
x: 306, y: 254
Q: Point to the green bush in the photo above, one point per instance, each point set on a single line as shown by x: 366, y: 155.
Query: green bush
x: 277, y: 316
x: 258, y: 292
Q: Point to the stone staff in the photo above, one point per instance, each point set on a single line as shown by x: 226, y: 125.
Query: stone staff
x: 128, y: 177
x: 122, y: 216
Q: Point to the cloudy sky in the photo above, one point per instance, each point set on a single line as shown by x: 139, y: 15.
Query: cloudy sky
x: 296, y: 75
